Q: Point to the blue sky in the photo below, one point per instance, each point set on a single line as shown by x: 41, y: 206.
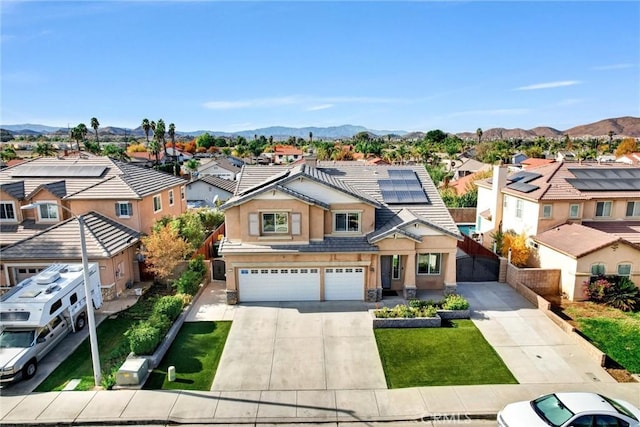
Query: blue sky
x: 454, y: 66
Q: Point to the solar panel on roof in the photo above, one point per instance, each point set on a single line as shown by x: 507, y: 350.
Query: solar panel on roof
x: 403, y: 187
x: 523, y: 177
x: 522, y: 187
x: 401, y: 174
x: 600, y: 184
x: 66, y: 171
x: 606, y: 173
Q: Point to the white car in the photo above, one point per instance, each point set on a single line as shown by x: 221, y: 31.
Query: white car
x: 570, y: 410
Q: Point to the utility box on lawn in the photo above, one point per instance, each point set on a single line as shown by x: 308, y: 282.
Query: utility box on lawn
x: 132, y: 371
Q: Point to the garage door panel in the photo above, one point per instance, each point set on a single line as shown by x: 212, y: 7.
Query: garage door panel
x: 279, y: 284
x: 344, y: 283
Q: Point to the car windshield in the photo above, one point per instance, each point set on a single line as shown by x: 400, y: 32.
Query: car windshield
x: 620, y: 408
x: 16, y: 339
x: 551, y: 409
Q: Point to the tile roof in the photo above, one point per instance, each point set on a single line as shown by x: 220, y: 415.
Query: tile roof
x: 553, y: 183
x: 116, y: 181
x: 627, y: 230
x: 288, y: 150
x: 329, y: 244
x: 104, y: 237
x: 14, y: 189
x: 533, y: 162
x: 224, y: 184
x: 576, y: 240
x: 58, y: 189
x: 14, y: 232
x: 473, y: 165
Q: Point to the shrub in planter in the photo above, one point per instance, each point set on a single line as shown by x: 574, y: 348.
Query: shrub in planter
x: 185, y: 298
x: 188, y: 282
x: 417, y: 303
x: 428, y: 311
x: 160, y: 322
x: 402, y: 311
x: 170, y: 306
x: 455, y: 302
x: 197, y: 265
x: 144, y: 338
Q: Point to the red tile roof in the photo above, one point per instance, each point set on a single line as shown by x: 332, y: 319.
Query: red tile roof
x: 533, y: 162
x: 286, y: 150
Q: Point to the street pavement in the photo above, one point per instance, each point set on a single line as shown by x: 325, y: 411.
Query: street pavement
x: 510, y: 324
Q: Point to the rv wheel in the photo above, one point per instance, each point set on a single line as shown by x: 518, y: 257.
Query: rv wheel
x: 30, y: 369
x: 80, y: 321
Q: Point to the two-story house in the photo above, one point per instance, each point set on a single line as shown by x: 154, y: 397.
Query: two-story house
x: 118, y: 201
x: 220, y: 167
x: 209, y: 189
x: 326, y: 231
x: 283, y: 154
x: 583, y: 218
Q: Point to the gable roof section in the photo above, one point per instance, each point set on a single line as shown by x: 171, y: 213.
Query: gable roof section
x: 400, y: 221
x: 576, y: 240
x: 58, y: 189
x: 224, y: 184
x: 104, y: 237
x: 14, y: 189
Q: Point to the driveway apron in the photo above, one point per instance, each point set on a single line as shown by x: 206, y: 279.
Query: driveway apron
x: 300, y: 346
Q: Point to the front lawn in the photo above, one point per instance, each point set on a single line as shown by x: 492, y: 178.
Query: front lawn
x: 457, y: 355
x: 79, y: 366
x: 613, y: 331
x: 195, y: 353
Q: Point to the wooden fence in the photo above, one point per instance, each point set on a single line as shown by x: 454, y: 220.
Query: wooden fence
x: 208, y: 248
x: 473, y: 248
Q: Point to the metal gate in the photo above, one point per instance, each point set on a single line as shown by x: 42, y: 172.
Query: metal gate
x: 477, y: 268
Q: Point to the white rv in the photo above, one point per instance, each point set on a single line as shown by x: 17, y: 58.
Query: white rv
x: 39, y: 312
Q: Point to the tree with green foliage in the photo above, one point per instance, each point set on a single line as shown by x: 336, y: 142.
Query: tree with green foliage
x: 45, y: 149
x: 192, y: 166
x: 479, y: 134
x: 172, y: 135
x: 93, y: 147
x: 146, y: 127
x: 115, y: 152
x: 153, y: 147
x: 159, y: 134
x: 164, y: 249
x: 205, y: 140
x: 8, y: 153
x: 95, y: 124
x: 437, y: 136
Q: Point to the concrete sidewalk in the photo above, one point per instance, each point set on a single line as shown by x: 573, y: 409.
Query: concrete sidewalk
x: 155, y: 407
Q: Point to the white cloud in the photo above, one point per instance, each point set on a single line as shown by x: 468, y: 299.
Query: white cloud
x: 549, y: 85
x: 613, y: 67
x: 320, y: 107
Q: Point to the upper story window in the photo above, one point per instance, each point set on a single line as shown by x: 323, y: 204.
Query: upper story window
x: 603, y: 209
x: 170, y: 197
x: 275, y: 222
x: 428, y: 263
x: 7, y: 211
x: 633, y: 209
x: 124, y: 209
x: 624, y: 269
x: 157, y: 203
x: 574, y: 211
x: 346, y: 222
x: 547, y: 211
x: 519, y: 207
x: 47, y: 212
x: 597, y: 269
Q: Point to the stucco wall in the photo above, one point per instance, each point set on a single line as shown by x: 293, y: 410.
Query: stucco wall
x: 199, y: 190
x: 543, y: 281
x: 529, y: 221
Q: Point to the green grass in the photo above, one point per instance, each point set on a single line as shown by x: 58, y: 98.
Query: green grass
x: 457, y: 355
x: 79, y: 366
x: 614, y: 332
x: 195, y: 353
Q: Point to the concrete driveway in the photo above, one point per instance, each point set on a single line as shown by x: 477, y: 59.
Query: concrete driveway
x: 530, y: 344
x: 300, y: 346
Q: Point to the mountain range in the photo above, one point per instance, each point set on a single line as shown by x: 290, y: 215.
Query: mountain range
x: 622, y: 127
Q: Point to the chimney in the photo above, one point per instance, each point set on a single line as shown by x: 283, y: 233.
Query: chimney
x: 499, y: 181
x: 311, y: 161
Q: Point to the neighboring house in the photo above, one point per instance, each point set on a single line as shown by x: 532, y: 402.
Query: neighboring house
x: 533, y: 162
x: 283, y: 154
x: 145, y: 158
x: 468, y: 167
x: 122, y: 195
x: 518, y: 158
x: 209, y: 188
x: 630, y: 159
x: 336, y: 231
x: 466, y: 183
x: 565, y: 156
x: 181, y: 156
x: 600, y: 198
x: 220, y: 167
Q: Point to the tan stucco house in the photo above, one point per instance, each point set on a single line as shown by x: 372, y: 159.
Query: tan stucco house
x: 324, y: 231
x: 119, y: 202
x: 581, y: 217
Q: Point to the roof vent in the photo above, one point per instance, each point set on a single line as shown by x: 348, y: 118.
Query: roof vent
x: 47, y: 277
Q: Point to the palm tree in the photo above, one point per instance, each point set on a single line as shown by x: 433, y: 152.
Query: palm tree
x: 479, y: 133
x: 154, y: 148
x: 94, y: 124
x: 240, y: 151
x: 172, y: 135
x: 45, y: 149
x: 159, y: 132
x: 146, y: 126
x: 76, y: 134
x: 191, y: 165
x: 310, y: 138
x: 611, y: 133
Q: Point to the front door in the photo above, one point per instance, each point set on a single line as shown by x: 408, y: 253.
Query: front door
x: 385, y: 271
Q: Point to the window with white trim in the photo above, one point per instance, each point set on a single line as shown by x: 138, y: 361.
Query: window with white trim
x: 574, y: 211
x: 633, y: 208
x: 346, y: 222
x: 547, y: 211
x: 124, y: 209
x: 170, y: 197
x: 7, y: 211
x: 47, y: 211
x: 519, y: 207
x: 275, y: 222
x: 429, y: 263
x: 603, y: 209
x: 157, y: 203
x: 598, y: 269
x: 624, y: 269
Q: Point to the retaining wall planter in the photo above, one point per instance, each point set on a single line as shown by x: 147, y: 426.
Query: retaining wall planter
x: 401, y: 322
x: 454, y: 314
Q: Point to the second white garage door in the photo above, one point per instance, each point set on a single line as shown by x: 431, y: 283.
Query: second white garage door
x: 279, y: 284
x: 344, y: 283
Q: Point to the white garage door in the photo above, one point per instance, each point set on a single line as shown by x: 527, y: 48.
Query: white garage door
x: 279, y: 284
x: 344, y: 283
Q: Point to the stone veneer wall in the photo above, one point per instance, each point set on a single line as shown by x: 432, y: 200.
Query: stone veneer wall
x: 543, y: 281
